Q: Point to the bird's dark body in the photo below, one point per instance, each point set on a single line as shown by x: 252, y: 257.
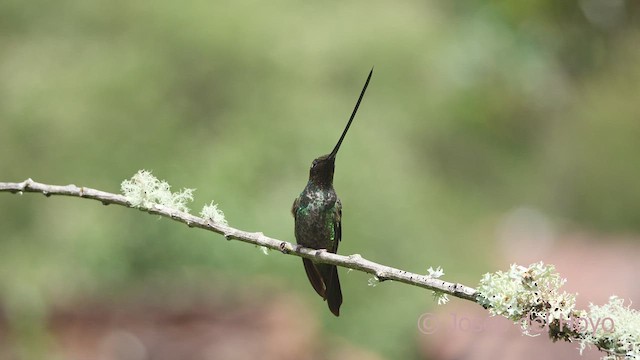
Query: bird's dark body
x: 317, y: 213
x: 318, y: 220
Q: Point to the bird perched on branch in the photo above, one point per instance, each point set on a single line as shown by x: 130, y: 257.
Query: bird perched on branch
x: 318, y: 217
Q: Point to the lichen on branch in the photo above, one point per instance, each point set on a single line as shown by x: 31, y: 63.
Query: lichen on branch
x: 532, y: 297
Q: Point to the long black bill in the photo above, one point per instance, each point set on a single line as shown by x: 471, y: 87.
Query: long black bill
x: 353, y: 114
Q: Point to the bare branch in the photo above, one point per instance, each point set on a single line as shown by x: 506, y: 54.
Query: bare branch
x: 355, y: 261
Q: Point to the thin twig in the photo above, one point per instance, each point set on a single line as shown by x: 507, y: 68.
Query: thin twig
x: 355, y: 261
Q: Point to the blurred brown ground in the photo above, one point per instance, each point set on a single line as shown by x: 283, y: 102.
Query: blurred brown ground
x: 198, y: 328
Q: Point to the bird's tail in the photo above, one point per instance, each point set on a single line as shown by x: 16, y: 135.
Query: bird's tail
x: 334, y: 293
x: 325, y: 281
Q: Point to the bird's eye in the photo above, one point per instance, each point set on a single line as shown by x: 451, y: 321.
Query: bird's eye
x: 313, y: 164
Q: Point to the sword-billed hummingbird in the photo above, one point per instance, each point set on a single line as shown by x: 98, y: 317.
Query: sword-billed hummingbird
x: 318, y: 215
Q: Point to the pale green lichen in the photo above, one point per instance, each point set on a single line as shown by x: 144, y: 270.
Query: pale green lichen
x: 211, y: 212
x: 436, y: 274
x: 614, y: 328
x: 531, y: 296
x: 144, y: 190
x: 373, y: 281
x: 438, y: 296
x: 527, y: 295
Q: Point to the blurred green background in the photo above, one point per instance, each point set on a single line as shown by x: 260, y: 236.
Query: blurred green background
x: 475, y: 108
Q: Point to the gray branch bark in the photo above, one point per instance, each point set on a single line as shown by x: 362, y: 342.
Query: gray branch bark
x: 355, y: 261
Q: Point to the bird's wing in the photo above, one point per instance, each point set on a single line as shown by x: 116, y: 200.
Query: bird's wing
x: 294, y: 207
x: 337, y: 225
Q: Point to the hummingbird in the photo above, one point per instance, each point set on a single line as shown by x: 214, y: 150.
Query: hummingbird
x: 317, y: 214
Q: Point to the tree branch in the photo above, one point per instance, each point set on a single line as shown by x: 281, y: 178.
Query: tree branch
x: 529, y: 296
x: 355, y: 261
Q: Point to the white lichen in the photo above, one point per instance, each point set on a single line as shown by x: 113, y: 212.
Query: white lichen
x: 211, y: 212
x: 613, y: 327
x: 438, y: 296
x: 437, y: 273
x: 531, y: 296
x: 145, y: 190
x: 527, y: 295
